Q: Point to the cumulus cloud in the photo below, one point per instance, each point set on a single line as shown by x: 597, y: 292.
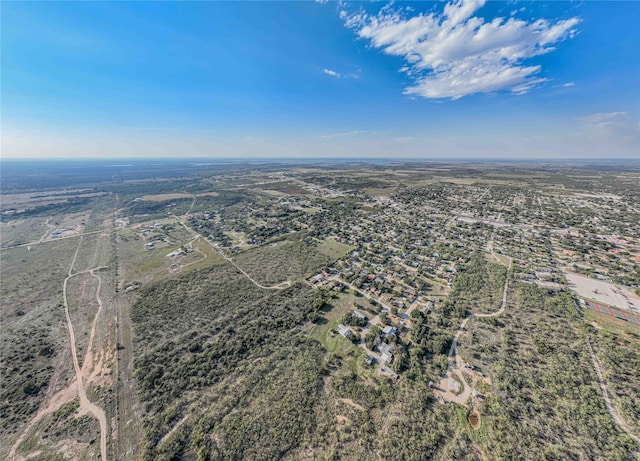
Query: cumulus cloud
x: 453, y: 53
x: 333, y: 73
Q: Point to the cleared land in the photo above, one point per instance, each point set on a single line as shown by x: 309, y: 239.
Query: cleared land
x: 291, y: 258
x: 604, y: 292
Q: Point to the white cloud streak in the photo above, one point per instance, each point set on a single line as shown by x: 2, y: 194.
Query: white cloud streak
x: 332, y: 73
x: 453, y: 54
x: 618, y: 126
x: 346, y: 133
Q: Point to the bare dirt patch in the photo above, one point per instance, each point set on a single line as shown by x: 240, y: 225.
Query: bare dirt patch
x: 474, y: 419
x: 352, y: 404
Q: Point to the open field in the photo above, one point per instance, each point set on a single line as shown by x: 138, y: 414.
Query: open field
x: 23, y: 231
x: 286, y: 259
x: 334, y: 249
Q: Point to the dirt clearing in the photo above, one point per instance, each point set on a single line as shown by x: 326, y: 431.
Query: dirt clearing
x: 474, y: 419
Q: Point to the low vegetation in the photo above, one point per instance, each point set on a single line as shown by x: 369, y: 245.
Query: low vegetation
x: 288, y: 258
x: 234, y: 352
x: 538, y: 360
x: 619, y: 356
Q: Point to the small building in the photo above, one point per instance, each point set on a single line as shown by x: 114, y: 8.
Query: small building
x: 385, y: 352
x: 345, y: 331
x: 390, y: 372
x: 388, y: 331
x: 359, y: 315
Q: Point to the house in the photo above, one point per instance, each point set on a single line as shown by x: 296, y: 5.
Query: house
x: 345, y: 331
x: 388, y: 331
x: 359, y: 315
x: 385, y: 352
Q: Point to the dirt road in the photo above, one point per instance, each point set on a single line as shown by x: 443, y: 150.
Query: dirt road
x: 85, y: 403
x: 70, y: 393
x: 607, y: 398
x: 456, y: 363
x: 36, y: 242
x: 279, y: 286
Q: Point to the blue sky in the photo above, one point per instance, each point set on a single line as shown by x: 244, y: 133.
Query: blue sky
x: 458, y: 79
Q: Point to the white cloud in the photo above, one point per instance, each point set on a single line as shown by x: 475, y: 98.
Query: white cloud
x: 451, y: 54
x: 353, y: 75
x: 614, y: 124
x: 333, y: 73
x: 613, y: 128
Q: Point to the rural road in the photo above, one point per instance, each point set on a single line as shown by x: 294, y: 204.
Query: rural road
x: 85, y: 403
x: 20, y: 245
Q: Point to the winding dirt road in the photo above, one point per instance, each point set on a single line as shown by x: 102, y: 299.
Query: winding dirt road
x: 455, y: 361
